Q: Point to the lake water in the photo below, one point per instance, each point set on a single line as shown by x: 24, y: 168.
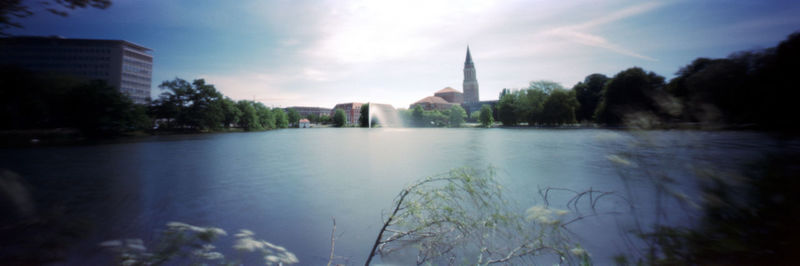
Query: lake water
x: 285, y: 185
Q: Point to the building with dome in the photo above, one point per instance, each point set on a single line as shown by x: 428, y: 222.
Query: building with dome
x: 450, y: 95
x: 433, y: 103
x: 447, y: 97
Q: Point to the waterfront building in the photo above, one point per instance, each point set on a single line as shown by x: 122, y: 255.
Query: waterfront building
x: 304, y: 123
x: 351, y: 110
x: 450, y: 95
x: 125, y: 65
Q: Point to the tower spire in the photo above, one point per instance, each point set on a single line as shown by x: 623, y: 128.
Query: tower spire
x: 469, y: 57
x: 470, y: 82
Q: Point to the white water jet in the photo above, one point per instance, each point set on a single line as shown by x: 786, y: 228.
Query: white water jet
x: 385, y: 114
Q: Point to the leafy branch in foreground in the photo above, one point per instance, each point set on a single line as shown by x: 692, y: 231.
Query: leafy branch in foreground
x: 194, y: 243
x: 461, y: 218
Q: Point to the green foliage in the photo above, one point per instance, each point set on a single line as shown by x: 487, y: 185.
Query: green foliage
x: 281, y: 118
x: 506, y: 108
x: 324, y: 119
x: 434, y: 118
x: 747, y: 87
x: 183, y: 243
x: 231, y: 114
x: 293, y: 117
x: 545, y: 86
x: 486, y: 118
x: 530, y: 104
x: 475, y: 116
x: 339, y: 118
x: 249, y: 120
x: 746, y: 216
x: 559, y: 108
x: 199, y: 106
x: 417, y: 116
x: 185, y: 105
x: 629, y: 92
x: 457, y: 115
x: 11, y: 9
x: 463, y: 215
x: 588, y: 94
x: 32, y: 101
x: 363, y: 119
x: 544, y: 102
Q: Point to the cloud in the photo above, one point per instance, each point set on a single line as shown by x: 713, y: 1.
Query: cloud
x: 577, y: 33
x: 266, y: 88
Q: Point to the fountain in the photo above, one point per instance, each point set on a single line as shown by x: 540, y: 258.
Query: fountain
x: 384, y: 114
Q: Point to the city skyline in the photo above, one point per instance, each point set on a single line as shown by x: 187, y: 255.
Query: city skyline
x: 324, y: 53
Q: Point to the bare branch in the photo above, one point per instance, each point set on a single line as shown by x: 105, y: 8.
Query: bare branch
x: 333, y: 240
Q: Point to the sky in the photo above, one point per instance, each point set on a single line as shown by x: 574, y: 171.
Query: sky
x: 320, y: 53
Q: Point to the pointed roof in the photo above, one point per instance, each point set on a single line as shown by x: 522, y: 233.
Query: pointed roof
x: 469, y: 57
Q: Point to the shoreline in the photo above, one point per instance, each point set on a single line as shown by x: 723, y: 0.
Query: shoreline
x: 29, y: 138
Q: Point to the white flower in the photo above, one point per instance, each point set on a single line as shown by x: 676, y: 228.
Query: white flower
x: 619, y: 160
x: 544, y: 215
x: 578, y: 251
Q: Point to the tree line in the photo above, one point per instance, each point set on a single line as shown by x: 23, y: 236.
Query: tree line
x: 35, y: 101
x: 198, y: 106
x: 747, y: 89
x: 752, y: 88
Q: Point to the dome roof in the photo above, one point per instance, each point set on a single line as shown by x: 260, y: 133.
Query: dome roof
x: 431, y: 99
x: 447, y: 89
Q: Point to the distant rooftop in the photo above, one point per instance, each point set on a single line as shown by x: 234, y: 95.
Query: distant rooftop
x: 432, y: 99
x: 447, y: 89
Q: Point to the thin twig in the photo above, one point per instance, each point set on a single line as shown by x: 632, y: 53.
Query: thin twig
x: 333, y: 240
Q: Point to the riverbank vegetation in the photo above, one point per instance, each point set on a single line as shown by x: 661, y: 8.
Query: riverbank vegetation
x: 460, y: 217
x: 751, y: 89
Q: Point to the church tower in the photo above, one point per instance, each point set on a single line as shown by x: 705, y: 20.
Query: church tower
x: 470, y: 82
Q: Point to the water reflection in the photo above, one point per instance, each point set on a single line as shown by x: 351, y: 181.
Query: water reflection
x: 285, y: 185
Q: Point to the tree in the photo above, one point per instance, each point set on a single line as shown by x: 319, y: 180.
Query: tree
x: 281, y: 118
x: 475, y: 116
x: 324, y: 119
x: 559, y: 108
x: 205, y: 111
x: 363, y: 119
x: 506, y: 109
x: 264, y: 116
x: 544, y: 85
x: 588, y: 94
x: 486, y: 116
x: 231, y: 113
x: 629, y: 94
x: 434, y: 118
x: 339, y: 118
x: 313, y: 118
x: 11, y: 9
x: 195, y: 105
x: 294, y: 117
x: 98, y: 109
x: 529, y: 105
x: 249, y: 119
x: 417, y: 116
x: 457, y: 115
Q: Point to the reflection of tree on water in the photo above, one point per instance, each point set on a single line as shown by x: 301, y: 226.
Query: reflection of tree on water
x: 461, y: 216
x: 38, y: 226
x: 725, y: 210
